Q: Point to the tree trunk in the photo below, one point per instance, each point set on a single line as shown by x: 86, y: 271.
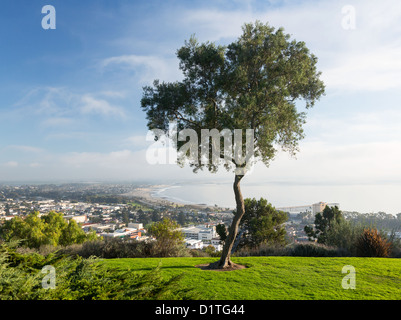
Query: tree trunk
x: 225, y: 261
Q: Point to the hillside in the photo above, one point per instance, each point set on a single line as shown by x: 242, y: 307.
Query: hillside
x: 280, y: 278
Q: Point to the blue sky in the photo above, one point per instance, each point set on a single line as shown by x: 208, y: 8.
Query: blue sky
x: 70, y: 97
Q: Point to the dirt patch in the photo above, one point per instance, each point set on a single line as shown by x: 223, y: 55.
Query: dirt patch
x: 213, y: 267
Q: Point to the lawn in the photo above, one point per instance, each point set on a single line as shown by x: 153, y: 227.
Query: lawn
x: 280, y: 278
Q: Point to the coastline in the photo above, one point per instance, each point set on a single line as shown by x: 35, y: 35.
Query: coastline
x: 150, y: 195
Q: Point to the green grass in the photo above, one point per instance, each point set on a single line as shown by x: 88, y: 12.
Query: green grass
x: 280, y: 278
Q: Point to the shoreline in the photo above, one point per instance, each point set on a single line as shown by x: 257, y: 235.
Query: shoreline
x: 149, y: 195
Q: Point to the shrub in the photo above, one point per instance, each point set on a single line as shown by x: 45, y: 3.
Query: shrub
x: 122, y: 248
x: 297, y: 249
x: 82, y: 279
x: 317, y: 250
x: 263, y: 250
x: 169, y: 239
x: 371, y: 244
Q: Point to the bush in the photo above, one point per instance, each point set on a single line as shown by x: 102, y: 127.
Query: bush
x: 169, y: 239
x: 81, y: 279
x: 371, y: 244
x: 317, y: 250
x: 297, y: 250
x: 263, y: 250
x: 123, y: 248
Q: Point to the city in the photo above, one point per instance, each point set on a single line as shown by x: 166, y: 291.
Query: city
x: 112, y: 211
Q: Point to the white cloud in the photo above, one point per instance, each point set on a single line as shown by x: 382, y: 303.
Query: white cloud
x: 325, y: 163
x: 137, y: 141
x: 366, y: 58
x: 146, y: 68
x: 34, y: 165
x: 57, y: 122
x: 99, y: 106
x: 11, y: 164
x: 61, y: 106
x: 29, y: 149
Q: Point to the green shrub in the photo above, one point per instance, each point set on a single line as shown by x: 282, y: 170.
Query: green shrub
x: 263, y: 250
x: 316, y: 250
x: 123, y: 248
x: 296, y: 249
x: 81, y: 279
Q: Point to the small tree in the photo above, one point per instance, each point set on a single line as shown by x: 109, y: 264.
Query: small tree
x: 168, y: 237
x: 49, y: 229
x: 323, y: 222
x: 262, y: 223
x: 253, y: 85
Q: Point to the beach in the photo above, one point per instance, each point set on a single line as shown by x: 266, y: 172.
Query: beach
x: 153, y: 196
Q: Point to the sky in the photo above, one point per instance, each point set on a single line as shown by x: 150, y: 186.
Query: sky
x: 70, y: 96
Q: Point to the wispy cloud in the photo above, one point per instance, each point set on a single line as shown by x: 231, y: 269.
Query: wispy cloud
x: 11, y: 164
x: 365, y: 58
x: 144, y: 68
x: 59, y: 106
x: 28, y: 149
x: 94, y: 105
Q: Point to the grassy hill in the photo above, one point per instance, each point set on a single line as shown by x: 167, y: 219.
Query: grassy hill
x: 282, y: 278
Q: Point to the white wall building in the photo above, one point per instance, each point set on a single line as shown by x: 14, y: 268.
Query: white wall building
x: 194, y: 244
x: 199, y: 232
x: 135, y: 225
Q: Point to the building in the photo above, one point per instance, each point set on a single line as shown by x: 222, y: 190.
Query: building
x: 314, y: 208
x: 135, y: 225
x: 121, y: 233
x: 78, y: 219
x: 200, y: 232
x: 116, y: 234
x: 194, y: 244
x: 216, y: 243
x: 98, y: 227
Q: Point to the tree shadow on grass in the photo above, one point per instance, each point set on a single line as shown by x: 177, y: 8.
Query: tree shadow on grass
x: 213, y: 267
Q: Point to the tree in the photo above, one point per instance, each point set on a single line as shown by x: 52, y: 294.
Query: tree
x: 262, y: 223
x: 49, y: 229
x: 144, y: 217
x: 221, y: 230
x: 252, y: 85
x: 323, y: 223
x: 168, y: 236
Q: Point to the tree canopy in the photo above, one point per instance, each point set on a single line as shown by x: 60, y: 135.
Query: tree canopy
x: 48, y: 229
x: 262, y: 223
x: 168, y: 236
x: 253, y: 83
x: 329, y: 218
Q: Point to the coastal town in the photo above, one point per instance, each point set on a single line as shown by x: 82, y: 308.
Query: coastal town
x: 125, y: 211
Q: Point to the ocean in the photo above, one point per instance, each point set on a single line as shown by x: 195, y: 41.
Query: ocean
x: 222, y: 194
x: 349, y: 197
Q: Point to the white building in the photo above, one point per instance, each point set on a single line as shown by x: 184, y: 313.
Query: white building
x: 194, y: 244
x: 314, y: 208
x: 200, y: 232
x: 216, y: 243
x: 120, y: 233
x: 79, y: 219
x: 135, y: 225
